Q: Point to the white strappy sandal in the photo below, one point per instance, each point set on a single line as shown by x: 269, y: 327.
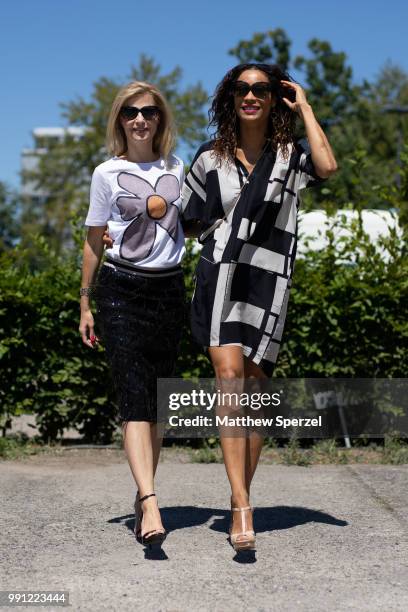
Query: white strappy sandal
x: 245, y: 540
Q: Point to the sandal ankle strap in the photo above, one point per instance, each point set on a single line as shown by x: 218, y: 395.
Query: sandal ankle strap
x: 242, y: 509
x: 141, y: 499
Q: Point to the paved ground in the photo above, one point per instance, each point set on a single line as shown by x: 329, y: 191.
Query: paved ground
x: 329, y: 537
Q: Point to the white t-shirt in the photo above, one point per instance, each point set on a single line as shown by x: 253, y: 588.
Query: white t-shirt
x: 139, y: 202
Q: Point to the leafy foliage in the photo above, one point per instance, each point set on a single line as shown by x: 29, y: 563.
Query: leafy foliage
x: 9, y: 217
x: 270, y: 47
x: 366, y: 117
x: 347, y: 318
x: 44, y: 367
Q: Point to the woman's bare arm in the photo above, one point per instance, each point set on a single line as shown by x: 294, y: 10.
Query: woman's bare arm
x: 321, y: 151
x: 92, y: 255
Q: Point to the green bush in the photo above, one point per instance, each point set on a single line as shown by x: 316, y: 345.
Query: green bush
x: 45, y: 368
x: 346, y: 319
x: 347, y: 309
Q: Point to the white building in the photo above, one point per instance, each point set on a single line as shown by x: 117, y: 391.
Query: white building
x: 43, y: 138
x: 313, y: 226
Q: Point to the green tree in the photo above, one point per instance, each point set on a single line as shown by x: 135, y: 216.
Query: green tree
x: 270, y: 47
x: 9, y: 218
x: 357, y: 117
x: 326, y: 74
x: 374, y: 128
x: 329, y: 79
x: 64, y: 173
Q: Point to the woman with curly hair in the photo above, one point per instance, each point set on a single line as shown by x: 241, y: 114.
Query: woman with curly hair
x: 242, y: 190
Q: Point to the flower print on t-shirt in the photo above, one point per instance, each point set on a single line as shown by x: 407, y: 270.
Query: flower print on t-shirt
x: 147, y: 207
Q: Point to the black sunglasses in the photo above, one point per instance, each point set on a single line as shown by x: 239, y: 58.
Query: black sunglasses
x: 131, y: 112
x: 260, y: 89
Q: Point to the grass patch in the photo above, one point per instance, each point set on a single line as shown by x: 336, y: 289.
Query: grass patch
x: 206, y: 454
x: 395, y: 450
x: 392, y: 451
x: 329, y: 451
x: 17, y: 447
x: 292, y: 454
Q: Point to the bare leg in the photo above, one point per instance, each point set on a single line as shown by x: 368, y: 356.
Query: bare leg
x: 253, y: 452
x: 228, y: 365
x: 157, y: 441
x: 142, y: 447
x: 255, y: 440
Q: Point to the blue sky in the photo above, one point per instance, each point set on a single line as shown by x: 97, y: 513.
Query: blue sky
x: 52, y: 51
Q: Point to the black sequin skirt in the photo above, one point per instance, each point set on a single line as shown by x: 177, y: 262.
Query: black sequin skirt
x: 139, y: 320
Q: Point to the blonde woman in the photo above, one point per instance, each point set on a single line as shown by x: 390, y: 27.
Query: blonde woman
x: 139, y: 290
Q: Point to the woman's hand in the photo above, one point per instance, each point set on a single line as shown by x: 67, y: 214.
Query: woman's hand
x: 86, y: 328
x: 107, y: 240
x: 92, y: 254
x: 300, y: 97
x: 322, y: 155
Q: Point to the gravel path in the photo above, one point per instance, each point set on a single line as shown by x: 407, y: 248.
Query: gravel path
x: 330, y: 537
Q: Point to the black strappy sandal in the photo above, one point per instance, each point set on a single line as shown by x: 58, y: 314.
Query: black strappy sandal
x: 155, y: 536
x: 138, y: 517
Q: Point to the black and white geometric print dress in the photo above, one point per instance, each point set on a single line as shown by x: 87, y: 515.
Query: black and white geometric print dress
x: 244, y: 273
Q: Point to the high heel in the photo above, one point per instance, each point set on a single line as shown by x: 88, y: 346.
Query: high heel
x: 245, y: 540
x: 156, y: 536
x: 138, y: 517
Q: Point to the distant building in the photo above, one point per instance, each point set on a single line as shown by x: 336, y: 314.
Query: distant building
x: 34, y: 198
x: 313, y: 225
x: 43, y: 138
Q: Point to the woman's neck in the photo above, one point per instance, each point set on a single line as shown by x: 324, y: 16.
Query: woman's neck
x: 141, y: 153
x: 251, y: 138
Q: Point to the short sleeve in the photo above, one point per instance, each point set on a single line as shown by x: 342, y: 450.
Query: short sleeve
x: 307, y: 171
x: 193, y: 196
x: 182, y: 176
x: 99, y: 210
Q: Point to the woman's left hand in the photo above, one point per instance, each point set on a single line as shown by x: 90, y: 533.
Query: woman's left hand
x: 107, y: 240
x: 300, y: 97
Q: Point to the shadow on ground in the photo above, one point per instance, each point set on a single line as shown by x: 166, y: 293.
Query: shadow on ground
x: 265, y: 519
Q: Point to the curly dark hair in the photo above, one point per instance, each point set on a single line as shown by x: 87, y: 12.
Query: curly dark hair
x: 222, y: 115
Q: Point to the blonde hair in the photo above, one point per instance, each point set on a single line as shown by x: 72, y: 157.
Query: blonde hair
x: 164, y: 139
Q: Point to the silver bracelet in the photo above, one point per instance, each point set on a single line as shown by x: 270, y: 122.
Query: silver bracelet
x: 85, y: 291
